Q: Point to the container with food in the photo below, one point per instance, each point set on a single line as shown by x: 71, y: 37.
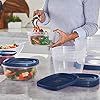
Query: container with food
x: 39, y: 39
x: 38, y: 36
x: 11, y: 46
x: 5, y: 55
x: 20, y: 68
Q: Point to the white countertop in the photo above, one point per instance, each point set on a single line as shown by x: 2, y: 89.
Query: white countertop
x: 28, y: 90
x: 16, y: 90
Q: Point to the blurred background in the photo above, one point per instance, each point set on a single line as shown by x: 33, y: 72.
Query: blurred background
x: 33, y: 5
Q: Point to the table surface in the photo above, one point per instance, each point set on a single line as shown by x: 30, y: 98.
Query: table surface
x: 28, y: 90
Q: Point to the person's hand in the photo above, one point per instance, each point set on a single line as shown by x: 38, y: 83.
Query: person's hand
x: 64, y: 37
x: 41, y: 15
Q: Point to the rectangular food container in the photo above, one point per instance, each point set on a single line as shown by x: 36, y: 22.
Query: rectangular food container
x: 38, y: 39
x: 68, y: 59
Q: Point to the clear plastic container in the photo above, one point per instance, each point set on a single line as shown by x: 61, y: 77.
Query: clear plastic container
x: 12, y: 46
x: 38, y: 39
x: 20, y: 68
x: 5, y: 55
x: 68, y: 59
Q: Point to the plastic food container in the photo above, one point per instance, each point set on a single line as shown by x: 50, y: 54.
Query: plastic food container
x: 5, y: 55
x: 38, y: 39
x: 67, y: 59
x: 20, y: 68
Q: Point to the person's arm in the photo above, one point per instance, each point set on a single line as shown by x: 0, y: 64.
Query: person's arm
x: 47, y: 19
x: 91, y: 12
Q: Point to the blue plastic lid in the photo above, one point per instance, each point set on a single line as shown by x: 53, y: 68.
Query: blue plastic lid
x: 91, y: 67
x: 57, y: 81
x: 20, y: 62
x: 86, y: 80
x: 7, y: 53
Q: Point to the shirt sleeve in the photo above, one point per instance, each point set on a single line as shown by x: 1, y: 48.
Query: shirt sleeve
x: 46, y: 13
x: 91, y: 13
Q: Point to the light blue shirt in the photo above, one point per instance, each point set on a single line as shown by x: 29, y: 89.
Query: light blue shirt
x: 73, y: 15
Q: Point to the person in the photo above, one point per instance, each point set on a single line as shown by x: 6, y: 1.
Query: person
x: 70, y: 18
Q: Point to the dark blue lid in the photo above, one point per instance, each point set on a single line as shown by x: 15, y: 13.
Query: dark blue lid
x: 21, y: 62
x: 7, y: 53
x: 91, y: 67
x: 57, y: 81
x: 86, y: 80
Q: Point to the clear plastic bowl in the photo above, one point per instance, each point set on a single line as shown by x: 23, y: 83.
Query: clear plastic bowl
x: 20, y: 69
x: 38, y: 39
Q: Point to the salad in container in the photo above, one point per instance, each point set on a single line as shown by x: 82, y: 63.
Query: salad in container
x: 20, y: 69
x: 38, y: 36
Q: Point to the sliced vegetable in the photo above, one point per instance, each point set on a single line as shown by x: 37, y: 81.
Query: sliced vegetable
x: 8, y: 46
x: 40, y: 40
x: 19, y: 74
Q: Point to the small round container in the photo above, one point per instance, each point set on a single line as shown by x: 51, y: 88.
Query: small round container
x: 20, y: 68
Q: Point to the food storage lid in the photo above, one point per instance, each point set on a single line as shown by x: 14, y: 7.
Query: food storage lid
x: 57, y: 81
x: 86, y: 80
x: 91, y: 67
x: 92, y: 64
x: 20, y: 62
x: 7, y: 53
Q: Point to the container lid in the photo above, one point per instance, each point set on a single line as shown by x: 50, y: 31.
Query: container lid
x: 7, y: 53
x: 86, y: 80
x: 20, y: 62
x: 57, y: 81
x: 91, y: 67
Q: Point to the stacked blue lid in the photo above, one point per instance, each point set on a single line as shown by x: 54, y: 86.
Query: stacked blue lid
x: 62, y: 80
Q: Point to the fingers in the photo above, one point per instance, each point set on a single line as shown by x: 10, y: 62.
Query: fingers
x: 58, y: 31
x: 58, y: 43
x: 61, y: 33
x: 62, y: 38
x: 38, y: 12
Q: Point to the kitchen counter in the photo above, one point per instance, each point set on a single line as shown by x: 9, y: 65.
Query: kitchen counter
x: 28, y: 90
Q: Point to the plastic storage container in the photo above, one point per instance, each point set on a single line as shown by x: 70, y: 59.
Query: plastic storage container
x: 93, y: 47
x: 10, y: 46
x: 68, y: 59
x: 20, y: 68
x: 38, y: 39
x: 5, y: 55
